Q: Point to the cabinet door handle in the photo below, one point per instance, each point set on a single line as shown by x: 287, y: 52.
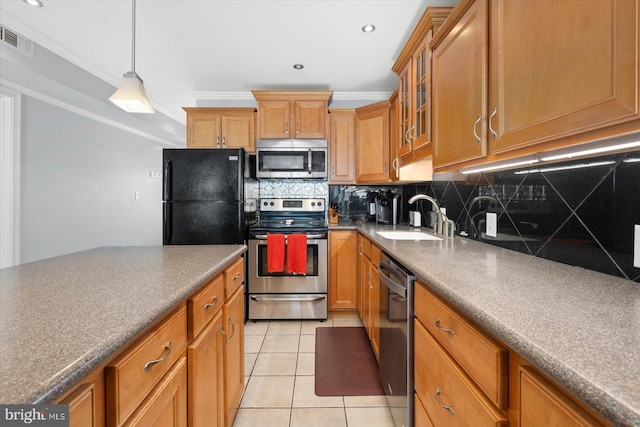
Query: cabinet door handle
x: 495, y: 111
x: 386, y: 166
x: 151, y: 363
x: 297, y: 127
x: 224, y: 334
x: 394, y: 164
x: 406, y: 137
x: 224, y: 140
x: 412, y: 128
x: 211, y: 304
x: 233, y: 328
x: 443, y: 329
x: 447, y: 407
x: 286, y: 128
x: 333, y: 170
x: 218, y: 140
x: 474, y: 129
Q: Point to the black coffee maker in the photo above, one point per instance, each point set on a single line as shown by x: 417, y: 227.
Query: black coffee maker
x: 384, y: 208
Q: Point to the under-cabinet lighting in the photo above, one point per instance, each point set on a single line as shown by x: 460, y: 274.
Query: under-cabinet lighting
x: 631, y: 160
x: 603, y: 147
x: 562, y: 168
x: 501, y: 165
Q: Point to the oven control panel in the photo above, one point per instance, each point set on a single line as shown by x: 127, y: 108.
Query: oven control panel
x: 292, y: 205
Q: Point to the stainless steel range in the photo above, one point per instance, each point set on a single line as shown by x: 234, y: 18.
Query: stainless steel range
x: 283, y: 294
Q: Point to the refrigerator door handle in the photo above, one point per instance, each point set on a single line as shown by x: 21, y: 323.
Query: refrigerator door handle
x: 167, y: 180
x: 167, y: 224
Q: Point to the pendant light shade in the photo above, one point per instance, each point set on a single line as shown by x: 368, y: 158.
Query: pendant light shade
x: 131, y: 96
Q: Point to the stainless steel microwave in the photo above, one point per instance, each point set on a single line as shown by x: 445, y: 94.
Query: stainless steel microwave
x: 291, y: 158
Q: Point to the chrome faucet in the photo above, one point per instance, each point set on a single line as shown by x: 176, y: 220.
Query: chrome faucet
x: 444, y: 226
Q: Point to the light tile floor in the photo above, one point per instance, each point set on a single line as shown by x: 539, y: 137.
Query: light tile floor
x: 279, y: 381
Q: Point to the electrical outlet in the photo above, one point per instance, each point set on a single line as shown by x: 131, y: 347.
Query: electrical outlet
x: 492, y: 224
x: 136, y: 195
x: 154, y: 174
x: 636, y: 246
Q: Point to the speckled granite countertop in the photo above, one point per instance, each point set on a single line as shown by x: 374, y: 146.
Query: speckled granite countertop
x: 580, y: 327
x: 62, y: 317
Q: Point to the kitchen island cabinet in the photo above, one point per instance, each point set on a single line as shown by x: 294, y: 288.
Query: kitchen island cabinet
x: 516, y: 78
x: 118, y: 304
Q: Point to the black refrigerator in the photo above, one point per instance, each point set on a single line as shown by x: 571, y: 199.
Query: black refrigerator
x: 209, y: 196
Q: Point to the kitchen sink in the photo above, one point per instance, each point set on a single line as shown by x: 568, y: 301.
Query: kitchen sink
x: 407, y: 235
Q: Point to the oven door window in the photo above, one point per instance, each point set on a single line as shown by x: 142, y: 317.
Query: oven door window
x: 283, y: 161
x: 312, y: 262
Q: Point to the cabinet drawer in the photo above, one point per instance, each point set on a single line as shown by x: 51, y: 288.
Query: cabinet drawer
x: 233, y: 278
x: 542, y: 404
x: 421, y: 417
x: 131, y: 376
x: 167, y: 403
x: 374, y: 255
x: 204, y: 305
x: 366, y: 247
x: 447, y: 393
x: 482, y: 358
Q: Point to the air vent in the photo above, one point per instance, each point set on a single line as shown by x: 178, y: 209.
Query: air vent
x: 16, y: 41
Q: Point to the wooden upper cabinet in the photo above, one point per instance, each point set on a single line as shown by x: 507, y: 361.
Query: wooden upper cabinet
x: 342, y: 146
x: 292, y: 114
x: 560, y: 68
x: 372, y: 143
x: 460, y: 64
x: 221, y: 128
x: 413, y: 67
x: 514, y: 78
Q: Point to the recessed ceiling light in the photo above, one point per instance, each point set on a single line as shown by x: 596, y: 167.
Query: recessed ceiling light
x: 298, y: 66
x: 34, y: 3
x: 369, y: 28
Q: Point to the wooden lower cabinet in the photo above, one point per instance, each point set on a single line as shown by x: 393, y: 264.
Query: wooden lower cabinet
x: 369, y: 290
x: 542, y: 404
x: 449, y: 396
x: 343, y: 291
x: 206, y: 388
x: 86, y: 404
x: 166, y: 405
x: 233, y: 354
x: 465, y: 377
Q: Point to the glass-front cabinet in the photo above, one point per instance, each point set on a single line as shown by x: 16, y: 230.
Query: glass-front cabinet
x: 413, y: 67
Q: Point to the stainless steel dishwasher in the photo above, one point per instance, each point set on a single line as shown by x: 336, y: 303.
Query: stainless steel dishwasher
x: 396, y: 339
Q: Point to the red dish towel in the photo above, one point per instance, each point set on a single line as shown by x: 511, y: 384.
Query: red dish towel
x: 297, y: 253
x: 275, y: 253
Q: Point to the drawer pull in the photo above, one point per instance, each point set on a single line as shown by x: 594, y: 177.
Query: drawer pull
x: 447, y: 407
x: 215, y: 301
x: 167, y: 352
x: 447, y: 330
x: 236, y: 277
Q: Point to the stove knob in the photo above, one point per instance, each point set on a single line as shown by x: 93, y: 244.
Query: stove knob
x: 272, y: 204
x: 265, y: 203
x: 313, y: 204
x: 319, y: 204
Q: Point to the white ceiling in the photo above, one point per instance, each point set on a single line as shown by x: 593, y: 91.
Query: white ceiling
x: 221, y: 49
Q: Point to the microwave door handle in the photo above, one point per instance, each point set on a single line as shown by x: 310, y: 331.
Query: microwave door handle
x: 309, y: 161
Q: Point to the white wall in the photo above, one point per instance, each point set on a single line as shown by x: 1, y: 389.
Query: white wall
x: 78, y: 180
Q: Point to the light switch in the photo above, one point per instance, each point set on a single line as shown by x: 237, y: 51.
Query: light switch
x: 492, y: 224
x: 636, y: 246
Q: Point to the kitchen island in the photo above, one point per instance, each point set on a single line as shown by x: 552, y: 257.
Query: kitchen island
x: 580, y: 327
x: 63, y: 317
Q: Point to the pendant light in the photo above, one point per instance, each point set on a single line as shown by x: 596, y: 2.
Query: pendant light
x: 131, y: 96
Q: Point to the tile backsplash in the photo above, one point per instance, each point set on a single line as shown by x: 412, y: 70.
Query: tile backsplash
x: 299, y: 188
x: 578, y: 212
